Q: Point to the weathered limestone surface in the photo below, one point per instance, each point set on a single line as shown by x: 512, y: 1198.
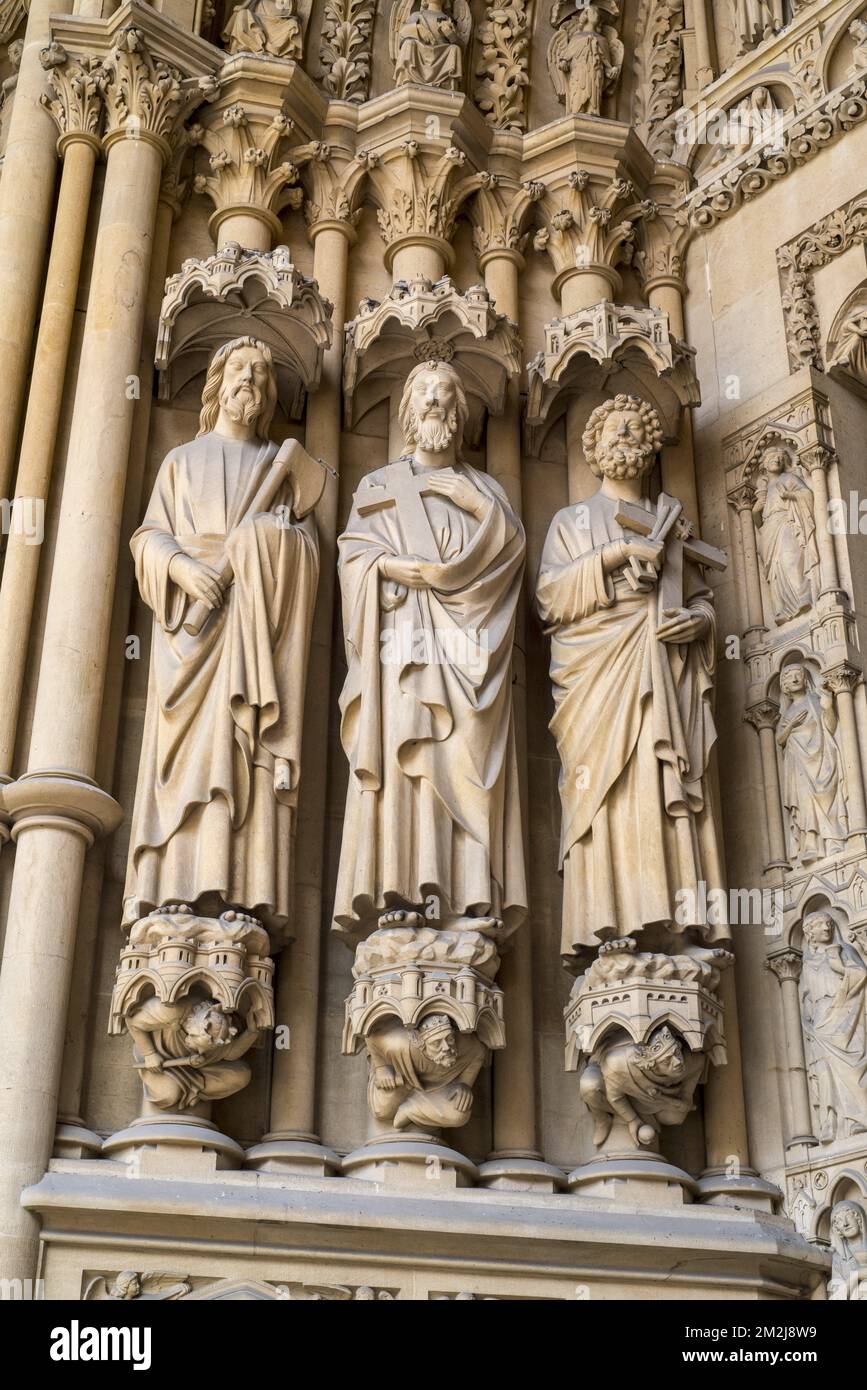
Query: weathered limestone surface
x: 433, y: 554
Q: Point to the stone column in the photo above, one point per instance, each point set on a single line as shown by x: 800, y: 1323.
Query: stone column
x: 292, y: 1144
x: 786, y: 965
x: 75, y: 107
x: 72, y: 1138
x: 56, y: 807
x: 704, y: 73
x: 817, y: 460
x: 742, y: 500
x: 516, y: 1161
x: 729, y: 1178
x: 26, y: 197
x: 579, y: 289
x: 842, y: 681
x: 764, y: 717
x: 667, y: 292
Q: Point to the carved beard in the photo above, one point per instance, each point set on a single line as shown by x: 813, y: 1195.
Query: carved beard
x: 242, y: 411
x: 620, y: 461
x: 433, y: 432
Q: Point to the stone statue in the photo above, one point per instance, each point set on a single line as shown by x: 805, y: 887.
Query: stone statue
x: 584, y: 59
x: 834, y: 1012
x: 754, y: 123
x: 848, y: 1230
x: 858, y: 32
x: 130, y: 1286
x: 756, y: 20
x: 644, y: 1085
x: 813, y: 784
x: 428, y: 40
x: 218, y: 776
x: 423, y: 1076
x: 632, y: 627
x: 786, y: 535
x: 850, y: 346
x: 265, y: 27
x: 430, y: 571
x: 189, y: 1051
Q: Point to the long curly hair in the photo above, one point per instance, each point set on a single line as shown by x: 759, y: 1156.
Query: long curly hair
x: 406, y: 414
x: 214, y: 381
x: 593, y: 428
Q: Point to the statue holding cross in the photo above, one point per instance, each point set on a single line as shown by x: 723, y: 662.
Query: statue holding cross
x: 622, y: 593
x: 430, y: 571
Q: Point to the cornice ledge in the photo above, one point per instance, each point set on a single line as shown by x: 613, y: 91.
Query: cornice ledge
x: 604, y: 148
x: 193, y: 56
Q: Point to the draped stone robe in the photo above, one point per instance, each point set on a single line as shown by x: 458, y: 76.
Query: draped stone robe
x: 223, y: 706
x: 634, y: 730
x: 433, y: 805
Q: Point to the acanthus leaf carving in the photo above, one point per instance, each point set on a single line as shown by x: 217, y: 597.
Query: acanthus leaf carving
x: 502, y: 63
x: 73, y: 99
x: 345, y: 49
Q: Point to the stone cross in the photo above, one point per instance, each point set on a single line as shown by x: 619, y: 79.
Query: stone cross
x: 678, y: 546
x: 403, y: 490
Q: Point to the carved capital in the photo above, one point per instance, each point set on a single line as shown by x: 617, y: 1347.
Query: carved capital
x: 588, y: 228
x: 146, y: 98
x: 419, y: 193
x: 500, y: 212
x: 818, y: 457
x: 841, y: 679
x: 73, y: 99
x: 786, y: 965
x: 742, y: 498
x: 334, y: 185
x: 764, y: 715
x: 247, y: 167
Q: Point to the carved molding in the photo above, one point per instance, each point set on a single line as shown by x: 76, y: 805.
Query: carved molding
x: 801, y: 140
x: 658, y: 65
x: 797, y: 259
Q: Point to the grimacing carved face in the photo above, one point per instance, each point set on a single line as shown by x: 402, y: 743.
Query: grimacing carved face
x: 622, y: 448
x: 206, y: 1026
x: 243, y: 389
x: 434, y: 405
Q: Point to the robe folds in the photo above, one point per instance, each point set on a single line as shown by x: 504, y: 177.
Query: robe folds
x: 433, y: 805
x: 223, y: 706
x: 634, y: 730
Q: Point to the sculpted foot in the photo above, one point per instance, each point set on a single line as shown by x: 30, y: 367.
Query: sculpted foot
x: 400, y: 918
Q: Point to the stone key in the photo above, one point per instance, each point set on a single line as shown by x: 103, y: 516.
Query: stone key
x: 677, y: 548
x: 403, y: 490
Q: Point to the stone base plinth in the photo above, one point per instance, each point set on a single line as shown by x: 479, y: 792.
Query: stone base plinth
x: 398, y: 1159
x: 266, y: 1232
x: 520, y: 1173
x: 646, y: 1179
x: 717, y: 1189
x: 164, y: 1144
x: 292, y: 1153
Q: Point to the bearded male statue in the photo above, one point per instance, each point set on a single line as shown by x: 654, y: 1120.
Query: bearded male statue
x: 430, y: 571
x: 633, y: 684
x: 218, y: 777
